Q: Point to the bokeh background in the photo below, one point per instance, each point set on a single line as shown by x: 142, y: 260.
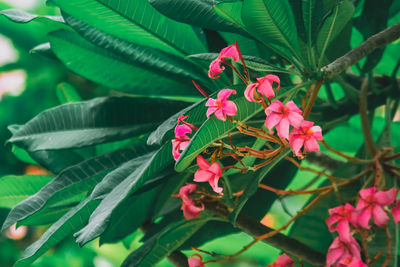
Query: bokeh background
x: 28, y: 85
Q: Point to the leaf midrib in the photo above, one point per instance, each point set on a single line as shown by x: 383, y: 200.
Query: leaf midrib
x: 329, y: 35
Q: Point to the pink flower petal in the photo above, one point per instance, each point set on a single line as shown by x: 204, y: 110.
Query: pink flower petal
x: 195, y: 262
x: 190, y: 211
x: 203, y: 164
x: 380, y: 216
x: 216, y: 169
x: 203, y: 175
x: 295, y: 119
x: 364, y: 217
x: 215, y: 68
x: 311, y: 145
x: 367, y: 192
x: 276, y: 106
x: 265, y: 88
x: 385, y: 198
x: 293, y: 107
x: 181, y: 130
x: 249, y: 92
x: 220, y: 114
x: 296, y: 143
x: 230, y: 108
x: 225, y: 93
x: 231, y: 52
x: 214, y: 185
x: 317, y: 132
x: 210, y: 102
x: 282, y: 261
x: 272, y: 120
x: 283, y: 128
x: 274, y: 78
x: 343, y: 230
x: 396, y: 211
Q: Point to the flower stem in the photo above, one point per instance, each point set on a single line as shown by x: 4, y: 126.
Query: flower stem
x: 369, y: 141
x: 313, y: 97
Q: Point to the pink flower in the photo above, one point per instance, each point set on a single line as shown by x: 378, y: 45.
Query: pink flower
x: 222, y: 107
x: 195, y: 262
x: 264, y: 86
x: 228, y: 52
x: 190, y: 210
x: 283, y: 116
x: 341, y: 252
x: 208, y: 173
x: 396, y: 211
x: 282, y: 261
x: 181, y: 139
x: 371, y: 204
x: 306, y: 135
x: 342, y: 215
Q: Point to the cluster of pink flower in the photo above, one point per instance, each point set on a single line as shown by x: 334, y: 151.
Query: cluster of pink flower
x: 345, y: 251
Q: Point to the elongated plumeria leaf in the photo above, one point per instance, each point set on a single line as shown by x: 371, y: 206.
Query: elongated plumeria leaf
x: 67, y: 93
x: 14, y: 189
x: 162, y: 244
x: 144, y: 57
x: 212, y: 129
x: 136, y: 22
x: 106, y: 68
x: 73, y: 175
x: 272, y: 22
x: 74, y: 219
x: 333, y: 25
x: 91, y: 122
x: 21, y: 16
x: 133, y: 182
x: 193, y: 12
x: 253, y: 63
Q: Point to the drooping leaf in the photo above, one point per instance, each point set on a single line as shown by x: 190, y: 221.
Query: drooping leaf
x: 106, y: 68
x: 14, y: 189
x: 67, y: 93
x: 166, y: 241
x: 21, y: 16
x: 136, y: 22
x: 193, y: 12
x: 73, y: 175
x: 151, y: 59
x: 133, y: 182
x: 91, y: 122
x: 332, y: 26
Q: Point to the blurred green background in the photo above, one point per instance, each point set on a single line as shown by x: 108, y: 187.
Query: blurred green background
x: 28, y: 83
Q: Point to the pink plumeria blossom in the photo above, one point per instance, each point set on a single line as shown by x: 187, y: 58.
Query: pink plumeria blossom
x: 195, y: 261
x: 339, y: 221
x: 396, y: 211
x: 181, y: 139
x: 371, y: 204
x: 190, y: 210
x: 306, y: 135
x: 282, y: 116
x: 264, y: 86
x: 221, y: 106
x: 282, y: 261
x: 231, y: 51
x: 208, y: 173
x: 341, y: 252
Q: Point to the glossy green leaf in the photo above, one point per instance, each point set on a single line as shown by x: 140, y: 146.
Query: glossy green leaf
x: 91, y: 122
x: 132, y: 183
x: 272, y: 22
x: 74, y: 175
x: 14, y: 189
x: 147, y: 58
x: 109, y: 69
x: 136, y: 22
x: 71, y: 221
x: 333, y: 25
x: 21, y: 16
x: 193, y: 12
x: 166, y: 241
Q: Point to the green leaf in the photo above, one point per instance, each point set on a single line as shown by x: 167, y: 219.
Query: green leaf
x: 272, y: 22
x: 106, y: 68
x: 70, y: 222
x: 212, y: 129
x: 193, y: 12
x: 133, y: 182
x: 144, y: 57
x: 379, y: 244
x: 166, y: 241
x: 74, y: 175
x: 14, y: 189
x: 91, y: 122
x: 21, y: 16
x: 136, y: 22
x: 332, y: 26
x: 67, y: 93
x: 22, y: 155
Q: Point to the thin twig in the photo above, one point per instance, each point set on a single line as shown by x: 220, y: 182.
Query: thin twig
x: 369, y: 141
x: 312, y: 99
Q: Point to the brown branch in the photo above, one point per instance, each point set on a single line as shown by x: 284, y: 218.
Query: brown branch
x: 313, y: 97
x: 380, y: 39
x: 369, y: 141
x: 283, y: 242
